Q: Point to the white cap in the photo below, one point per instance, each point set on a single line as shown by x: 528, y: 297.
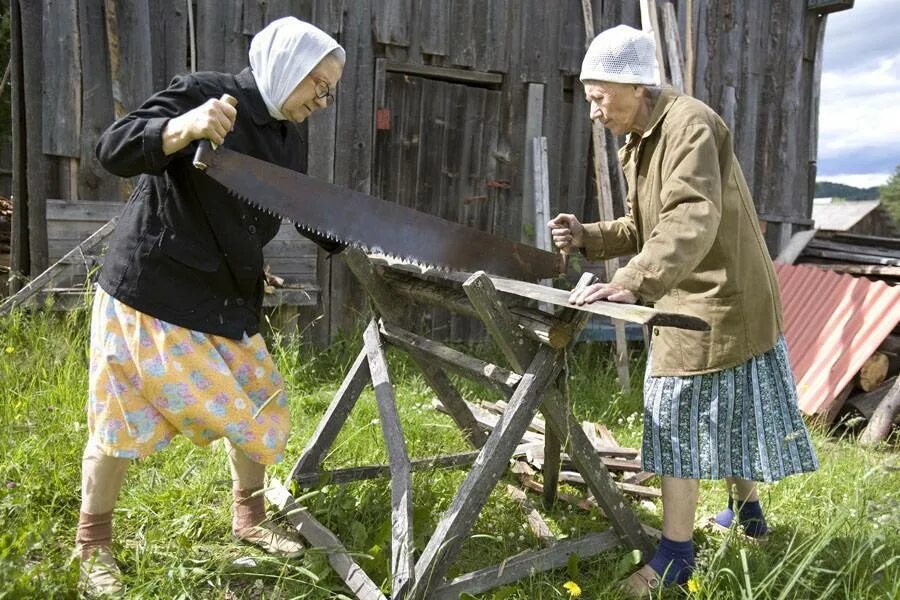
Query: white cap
x: 622, y: 54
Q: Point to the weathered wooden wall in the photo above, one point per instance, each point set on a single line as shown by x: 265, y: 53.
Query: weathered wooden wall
x: 436, y: 109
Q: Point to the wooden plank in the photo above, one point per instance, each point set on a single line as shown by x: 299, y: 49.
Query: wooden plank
x: 446, y: 73
x: 463, y: 23
x: 392, y: 21
x: 826, y: 244
x: 794, y: 248
x: 319, y: 537
x: 504, y: 331
x: 453, y: 360
x: 402, y: 565
x: 362, y: 473
x: 169, y: 38
x: 536, y: 522
x: 673, y: 45
x: 97, y: 110
x: 62, y: 79
x: 860, y: 269
x: 457, y: 520
x: 492, y: 42
x: 526, y: 564
x: 551, y: 468
x: 626, y: 312
x: 334, y: 418
x: 608, y: 497
x: 57, y: 269
x: 222, y: 45
x: 856, y: 257
x: 434, y: 24
x: 453, y: 402
x: 254, y: 16
x: 534, y: 128
x: 37, y: 166
x: 19, y: 256
x: 488, y: 421
x: 133, y: 72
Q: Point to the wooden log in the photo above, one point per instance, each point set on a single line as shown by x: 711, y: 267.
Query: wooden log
x: 333, y: 420
x: 552, y: 466
x: 882, y: 421
x: 453, y: 360
x: 320, y: 537
x: 402, y: 565
x: 525, y: 564
x: 867, y: 402
x: 365, y: 472
x: 459, y: 517
x: 874, y: 371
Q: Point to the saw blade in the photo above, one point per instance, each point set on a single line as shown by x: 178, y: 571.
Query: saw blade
x: 372, y: 224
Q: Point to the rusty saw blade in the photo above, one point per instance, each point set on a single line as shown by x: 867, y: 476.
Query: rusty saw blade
x: 376, y: 226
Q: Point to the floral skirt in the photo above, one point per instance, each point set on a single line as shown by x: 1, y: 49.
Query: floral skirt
x: 741, y: 422
x: 150, y: 380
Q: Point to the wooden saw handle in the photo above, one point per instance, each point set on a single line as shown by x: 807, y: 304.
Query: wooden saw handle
x: 205, y: 145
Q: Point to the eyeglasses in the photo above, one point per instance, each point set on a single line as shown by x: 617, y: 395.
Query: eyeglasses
x: 325, y: 92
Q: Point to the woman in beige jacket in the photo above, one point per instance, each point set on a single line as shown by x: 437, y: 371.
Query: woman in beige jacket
x: 718, y: 404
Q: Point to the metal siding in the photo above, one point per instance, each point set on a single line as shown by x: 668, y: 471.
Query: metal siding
x: 832, y: 324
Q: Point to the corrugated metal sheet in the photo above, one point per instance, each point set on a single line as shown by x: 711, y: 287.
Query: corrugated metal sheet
x: 833, y: 323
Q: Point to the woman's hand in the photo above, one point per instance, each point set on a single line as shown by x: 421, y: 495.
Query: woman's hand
x: 567, y: 232
x: 602, y: 291
x: 212, y: 121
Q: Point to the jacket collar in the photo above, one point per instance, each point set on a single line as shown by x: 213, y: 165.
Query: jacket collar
x: 667, y: 98
x: 257, y: 107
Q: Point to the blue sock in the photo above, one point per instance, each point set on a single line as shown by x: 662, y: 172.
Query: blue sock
x: 726, y: 517
x: 673, y: 561
x: 750, y: 516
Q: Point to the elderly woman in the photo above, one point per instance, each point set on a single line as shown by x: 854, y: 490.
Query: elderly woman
x: 175, y: 343
x: 718, y: 404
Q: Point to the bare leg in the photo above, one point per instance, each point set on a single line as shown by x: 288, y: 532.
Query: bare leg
x: 742, y: 490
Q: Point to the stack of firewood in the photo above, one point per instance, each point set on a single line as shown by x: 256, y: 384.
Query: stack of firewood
x: 873, y: 398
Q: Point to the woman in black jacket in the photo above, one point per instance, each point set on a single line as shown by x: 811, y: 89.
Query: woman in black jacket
x: 175, y: 344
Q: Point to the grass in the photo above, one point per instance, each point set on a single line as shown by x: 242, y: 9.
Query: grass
x: 836, y: 532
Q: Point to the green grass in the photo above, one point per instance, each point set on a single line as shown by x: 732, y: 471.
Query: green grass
x: 836, y: 532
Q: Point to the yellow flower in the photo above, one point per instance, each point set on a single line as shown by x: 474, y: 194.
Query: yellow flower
x: 10, y: 349
x: 573, y: 589
x: 693, y: 585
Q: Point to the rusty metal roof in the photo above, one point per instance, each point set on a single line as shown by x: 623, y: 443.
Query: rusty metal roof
x: 833, y: 323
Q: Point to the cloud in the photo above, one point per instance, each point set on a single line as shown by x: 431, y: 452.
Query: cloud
x: 859, y: 111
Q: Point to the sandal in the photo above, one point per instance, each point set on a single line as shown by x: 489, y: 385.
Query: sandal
x: 99, y: 575
x: 272, y: 539
x: 642, y: 584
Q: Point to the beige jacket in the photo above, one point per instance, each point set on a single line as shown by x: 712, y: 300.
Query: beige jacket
x: 699, y: 248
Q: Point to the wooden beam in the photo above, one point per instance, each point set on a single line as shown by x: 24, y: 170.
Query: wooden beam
x: 321, y: 538
x: 457, y: 520
x: 350, y: 474
x: 446, y: 74
x: 500, y: 324
x: 525, y: 564
x: 333, y: 420
x: 673, y: 45
x: 58, y: 268
x: 402, y: 565
x: 882, y: 421
x: 453, y: 360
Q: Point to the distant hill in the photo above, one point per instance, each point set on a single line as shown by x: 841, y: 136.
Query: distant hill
x: 827, y: 189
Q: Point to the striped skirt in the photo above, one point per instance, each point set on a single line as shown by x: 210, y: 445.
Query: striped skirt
x: 741, y: 422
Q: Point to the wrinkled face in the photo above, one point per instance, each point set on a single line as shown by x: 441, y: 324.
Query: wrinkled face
x: 616, y: 105
x: 316, y: 91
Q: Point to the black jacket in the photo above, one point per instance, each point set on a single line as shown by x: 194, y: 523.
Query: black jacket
x: 185, y: 250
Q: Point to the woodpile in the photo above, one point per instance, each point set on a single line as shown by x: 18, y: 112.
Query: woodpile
x: 873, y: 399
x: 529, y: 458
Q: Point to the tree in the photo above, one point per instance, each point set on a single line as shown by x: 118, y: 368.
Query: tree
x: 890, y: 195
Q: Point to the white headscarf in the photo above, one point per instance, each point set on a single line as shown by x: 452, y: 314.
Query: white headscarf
x: 282, y: 54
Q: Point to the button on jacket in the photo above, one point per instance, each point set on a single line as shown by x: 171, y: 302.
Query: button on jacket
x: 185, y: 250
x: 695, y: 230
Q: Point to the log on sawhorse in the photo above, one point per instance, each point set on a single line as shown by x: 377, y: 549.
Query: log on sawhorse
x: 530, y: 384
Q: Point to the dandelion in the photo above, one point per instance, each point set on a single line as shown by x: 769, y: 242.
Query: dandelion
x: 573, y: 588
x: 10, y: 349
x: 693, y: 585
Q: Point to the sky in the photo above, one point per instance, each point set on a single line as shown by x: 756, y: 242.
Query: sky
x: 859, y: 110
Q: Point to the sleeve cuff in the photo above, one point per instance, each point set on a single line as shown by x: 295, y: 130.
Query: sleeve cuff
x: 593, y: 241
x: 153, y: 152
